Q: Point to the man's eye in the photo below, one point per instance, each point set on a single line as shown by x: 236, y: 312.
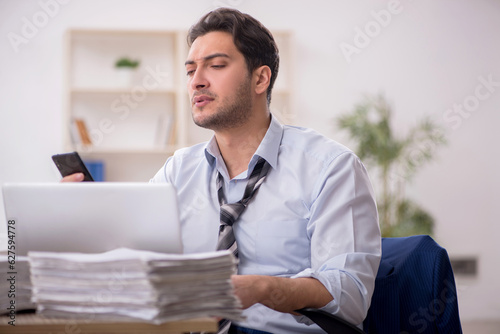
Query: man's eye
x: 189, y: 73
x: 218, y: 66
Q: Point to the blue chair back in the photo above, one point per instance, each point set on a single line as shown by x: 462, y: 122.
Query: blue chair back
x: 415, y: 289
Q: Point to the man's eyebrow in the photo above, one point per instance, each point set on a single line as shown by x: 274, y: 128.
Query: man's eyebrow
x: 212, y: 56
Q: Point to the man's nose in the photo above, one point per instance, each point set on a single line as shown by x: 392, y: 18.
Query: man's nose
x: 199, y: 80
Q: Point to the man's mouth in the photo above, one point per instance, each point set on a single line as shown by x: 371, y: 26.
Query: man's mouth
x: 202, y: 100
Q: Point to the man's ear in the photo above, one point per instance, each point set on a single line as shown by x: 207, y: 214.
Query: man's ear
x: 262, y: 77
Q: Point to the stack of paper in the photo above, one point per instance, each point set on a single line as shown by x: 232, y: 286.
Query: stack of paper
x: 15, y: 285
x: 127, y: 284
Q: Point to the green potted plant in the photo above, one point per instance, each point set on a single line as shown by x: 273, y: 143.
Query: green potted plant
x: 125, y: 68
x: 394, y: 161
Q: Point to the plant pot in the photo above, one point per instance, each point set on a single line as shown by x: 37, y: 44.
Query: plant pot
x: 125, y: 77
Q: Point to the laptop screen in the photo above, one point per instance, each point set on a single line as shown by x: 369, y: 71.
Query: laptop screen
x: 92, y: 217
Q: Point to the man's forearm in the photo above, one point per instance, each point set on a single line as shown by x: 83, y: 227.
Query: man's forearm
x: 280, y: 293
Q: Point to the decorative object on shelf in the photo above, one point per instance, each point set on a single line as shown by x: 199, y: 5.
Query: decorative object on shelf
x: 125, y: 69
x: 96, y: 169
x: 80, y: 133
x: 395, y: 161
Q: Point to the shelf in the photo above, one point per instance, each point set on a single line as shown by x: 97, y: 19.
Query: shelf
x: 116, y: 151
x: 111, y: 90
x: 136, y: 120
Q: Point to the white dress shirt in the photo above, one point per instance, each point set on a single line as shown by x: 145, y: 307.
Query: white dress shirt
x: 314, y: 216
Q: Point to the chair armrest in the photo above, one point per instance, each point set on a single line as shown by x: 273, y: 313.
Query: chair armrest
x: 330, y: 323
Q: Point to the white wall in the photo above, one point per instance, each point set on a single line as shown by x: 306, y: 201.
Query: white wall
x: 430, y: 56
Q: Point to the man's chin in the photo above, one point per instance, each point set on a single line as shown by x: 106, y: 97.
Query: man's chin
x: 203, y: 122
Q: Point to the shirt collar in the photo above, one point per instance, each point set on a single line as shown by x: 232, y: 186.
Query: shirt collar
x: 268, y: 148
x: 270, y: 144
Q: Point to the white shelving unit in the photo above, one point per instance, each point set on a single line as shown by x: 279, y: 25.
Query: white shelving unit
x: 280, y: 102
x: 135, y: 122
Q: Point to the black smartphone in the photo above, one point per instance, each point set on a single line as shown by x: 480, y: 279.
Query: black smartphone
x: 70, y: 163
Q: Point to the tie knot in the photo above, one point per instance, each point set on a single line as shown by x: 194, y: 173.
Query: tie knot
x: 230, y: 212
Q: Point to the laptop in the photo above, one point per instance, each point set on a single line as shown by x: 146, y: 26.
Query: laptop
x: 92, y: 217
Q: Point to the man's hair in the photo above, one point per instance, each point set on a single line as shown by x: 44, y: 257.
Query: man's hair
x: 250, y: 37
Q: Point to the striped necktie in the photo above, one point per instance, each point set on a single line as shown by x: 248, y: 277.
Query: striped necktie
x: 229, y: 213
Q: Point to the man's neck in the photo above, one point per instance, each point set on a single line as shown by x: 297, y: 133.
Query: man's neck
x: 238, y: 145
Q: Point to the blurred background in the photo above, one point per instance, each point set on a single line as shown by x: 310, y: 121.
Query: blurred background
x: 438, y: 60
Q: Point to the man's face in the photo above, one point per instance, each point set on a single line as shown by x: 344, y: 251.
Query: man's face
x: 219, y: 84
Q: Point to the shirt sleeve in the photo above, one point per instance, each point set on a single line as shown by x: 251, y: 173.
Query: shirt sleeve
x: 162, y: 176
x: 345, y: 237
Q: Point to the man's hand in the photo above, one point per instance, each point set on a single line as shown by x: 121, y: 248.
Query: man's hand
x: 280, y: 293
x: 249, y: 289
x: 77, y: 177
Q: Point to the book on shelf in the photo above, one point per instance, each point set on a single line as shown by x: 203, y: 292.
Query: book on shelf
x: 173, y: 135
x: 79, y: 132
x: 165, y: 131
x: 96, y: 169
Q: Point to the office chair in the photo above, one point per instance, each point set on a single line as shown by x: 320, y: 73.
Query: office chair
x: 414, y: 292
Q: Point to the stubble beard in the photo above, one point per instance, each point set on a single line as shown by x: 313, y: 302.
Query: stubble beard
x: 232, y: 113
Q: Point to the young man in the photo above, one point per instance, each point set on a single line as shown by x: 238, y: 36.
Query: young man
x: 308, y: 232
x: 309, y: 236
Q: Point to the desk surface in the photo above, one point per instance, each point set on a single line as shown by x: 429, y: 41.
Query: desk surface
x: 32, y: 323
